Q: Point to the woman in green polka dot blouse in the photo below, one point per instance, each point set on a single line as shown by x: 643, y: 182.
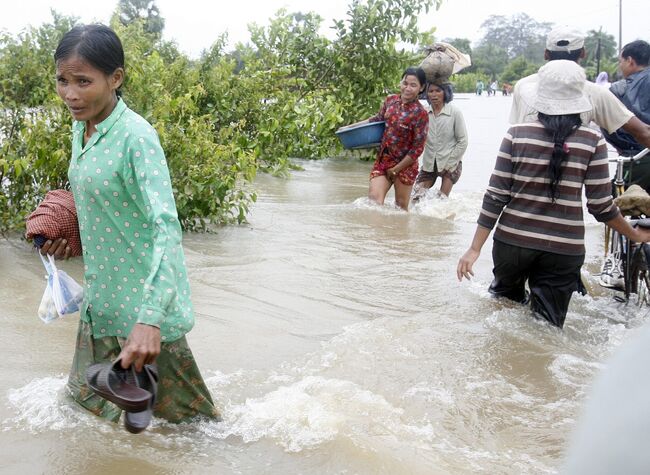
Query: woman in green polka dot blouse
x: 137, y: 297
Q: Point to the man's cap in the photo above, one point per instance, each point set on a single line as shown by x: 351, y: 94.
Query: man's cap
x: 563, y: 38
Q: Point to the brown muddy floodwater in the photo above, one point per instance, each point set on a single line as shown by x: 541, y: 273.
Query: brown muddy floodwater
x: 335, y: 340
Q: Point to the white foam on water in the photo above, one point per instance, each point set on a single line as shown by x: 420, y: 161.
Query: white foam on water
x: 389, y: 207
x: 389, y: 387
x: 570, y: 370
x: 40, y: 405
x: 459, y: 206
x: 314, y: 411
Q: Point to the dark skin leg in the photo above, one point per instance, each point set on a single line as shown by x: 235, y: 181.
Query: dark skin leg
x: 446, y: 186
x: 402, y: 194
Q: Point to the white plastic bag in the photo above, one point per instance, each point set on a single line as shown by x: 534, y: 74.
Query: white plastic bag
x: 47, y: 309
x: 64, y: 292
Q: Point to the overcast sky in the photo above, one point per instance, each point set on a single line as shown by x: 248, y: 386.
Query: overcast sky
x: 195, y: 24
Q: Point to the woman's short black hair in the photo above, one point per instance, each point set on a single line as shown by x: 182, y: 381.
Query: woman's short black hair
x: 96, y: 44
x: 417, y: 72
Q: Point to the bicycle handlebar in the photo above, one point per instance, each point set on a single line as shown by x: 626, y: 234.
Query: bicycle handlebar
x: 622, y: 159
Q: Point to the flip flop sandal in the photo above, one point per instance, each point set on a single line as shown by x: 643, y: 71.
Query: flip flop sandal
x: 117, y: 385
x: 147, y: 379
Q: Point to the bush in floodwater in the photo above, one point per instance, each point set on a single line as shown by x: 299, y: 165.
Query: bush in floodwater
x: 220, y: 118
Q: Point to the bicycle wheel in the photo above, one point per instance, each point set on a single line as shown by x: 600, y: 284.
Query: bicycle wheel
x: 640, y: 275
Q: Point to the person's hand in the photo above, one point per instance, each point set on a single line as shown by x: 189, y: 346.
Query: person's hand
x: 391, y: 174
x: 58, y: 248
x: 142, y: 346
x: 642, y: 235
x: 465, y: 264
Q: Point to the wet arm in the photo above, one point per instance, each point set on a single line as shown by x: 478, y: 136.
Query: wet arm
x: 466, y: 262
x: 622, y: 226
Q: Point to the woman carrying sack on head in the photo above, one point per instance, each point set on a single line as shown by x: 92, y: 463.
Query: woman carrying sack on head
x: 446, y: 142
x: 535, y: 198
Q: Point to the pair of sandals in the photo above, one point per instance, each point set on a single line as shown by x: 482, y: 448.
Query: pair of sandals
x: 132, y: 391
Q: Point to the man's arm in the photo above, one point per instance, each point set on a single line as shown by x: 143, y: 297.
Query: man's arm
x: 639, y: 130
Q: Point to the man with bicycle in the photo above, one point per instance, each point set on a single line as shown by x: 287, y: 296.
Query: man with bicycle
x: 634, y: 92
x: 608, y: 112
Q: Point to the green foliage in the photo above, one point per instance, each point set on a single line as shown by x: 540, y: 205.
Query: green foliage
x: 601, y: 54
x: 220, y: 119
x: 517, y: 69
x: 34, y: 126
x: 490, y: 60
x: 506, y: 40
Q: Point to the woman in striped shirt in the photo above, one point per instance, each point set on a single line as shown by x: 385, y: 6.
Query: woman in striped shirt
x: 535, y: 198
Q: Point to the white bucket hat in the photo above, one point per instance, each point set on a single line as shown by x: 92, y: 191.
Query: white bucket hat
x: 559, y: 89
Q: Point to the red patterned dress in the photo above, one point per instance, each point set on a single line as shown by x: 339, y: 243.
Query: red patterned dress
x: 405, y: 134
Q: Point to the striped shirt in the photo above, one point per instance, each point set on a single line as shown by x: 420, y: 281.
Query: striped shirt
x: 518, y: 193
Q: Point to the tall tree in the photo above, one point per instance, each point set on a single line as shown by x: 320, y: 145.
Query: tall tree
x: 145, y: 10
x: 601, y: 54
x: 517, y: 35
x: 490, y: 59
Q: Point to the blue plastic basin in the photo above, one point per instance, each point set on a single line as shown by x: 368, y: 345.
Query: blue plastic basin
x: 362, y: 136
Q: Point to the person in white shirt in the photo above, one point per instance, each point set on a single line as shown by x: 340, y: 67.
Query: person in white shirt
x: 607, y: 111
x: 446, y: 142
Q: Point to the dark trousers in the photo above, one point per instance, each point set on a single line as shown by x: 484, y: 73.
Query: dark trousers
x: 552, y: 278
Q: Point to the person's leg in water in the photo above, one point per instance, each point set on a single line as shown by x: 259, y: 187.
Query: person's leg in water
x: 420, y: 189
x: 379, y: 186
x: 402, y: 194
x: 446, y: 186
x: 424, y: 181
x: 449, y: 179
x: 182, y: 393
x: 552, y: 281
x: 511, y: 269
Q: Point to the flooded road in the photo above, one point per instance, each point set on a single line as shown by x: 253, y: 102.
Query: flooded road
x: 335, y: 339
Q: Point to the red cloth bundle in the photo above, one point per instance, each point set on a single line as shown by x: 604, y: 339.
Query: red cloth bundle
x: 56, y: 217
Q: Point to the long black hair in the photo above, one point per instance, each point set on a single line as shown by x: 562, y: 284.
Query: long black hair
x: 96, y: 44
x: 560, y: 127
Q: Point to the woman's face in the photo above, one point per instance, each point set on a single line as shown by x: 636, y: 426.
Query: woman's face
x: 410, y: 88
x: 88, y: 92
x: 435, y: 95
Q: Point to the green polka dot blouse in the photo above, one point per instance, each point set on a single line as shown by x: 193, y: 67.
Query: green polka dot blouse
x: 134, y: 266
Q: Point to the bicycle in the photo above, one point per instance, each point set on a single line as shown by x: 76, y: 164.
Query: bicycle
x: 626, y: 267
